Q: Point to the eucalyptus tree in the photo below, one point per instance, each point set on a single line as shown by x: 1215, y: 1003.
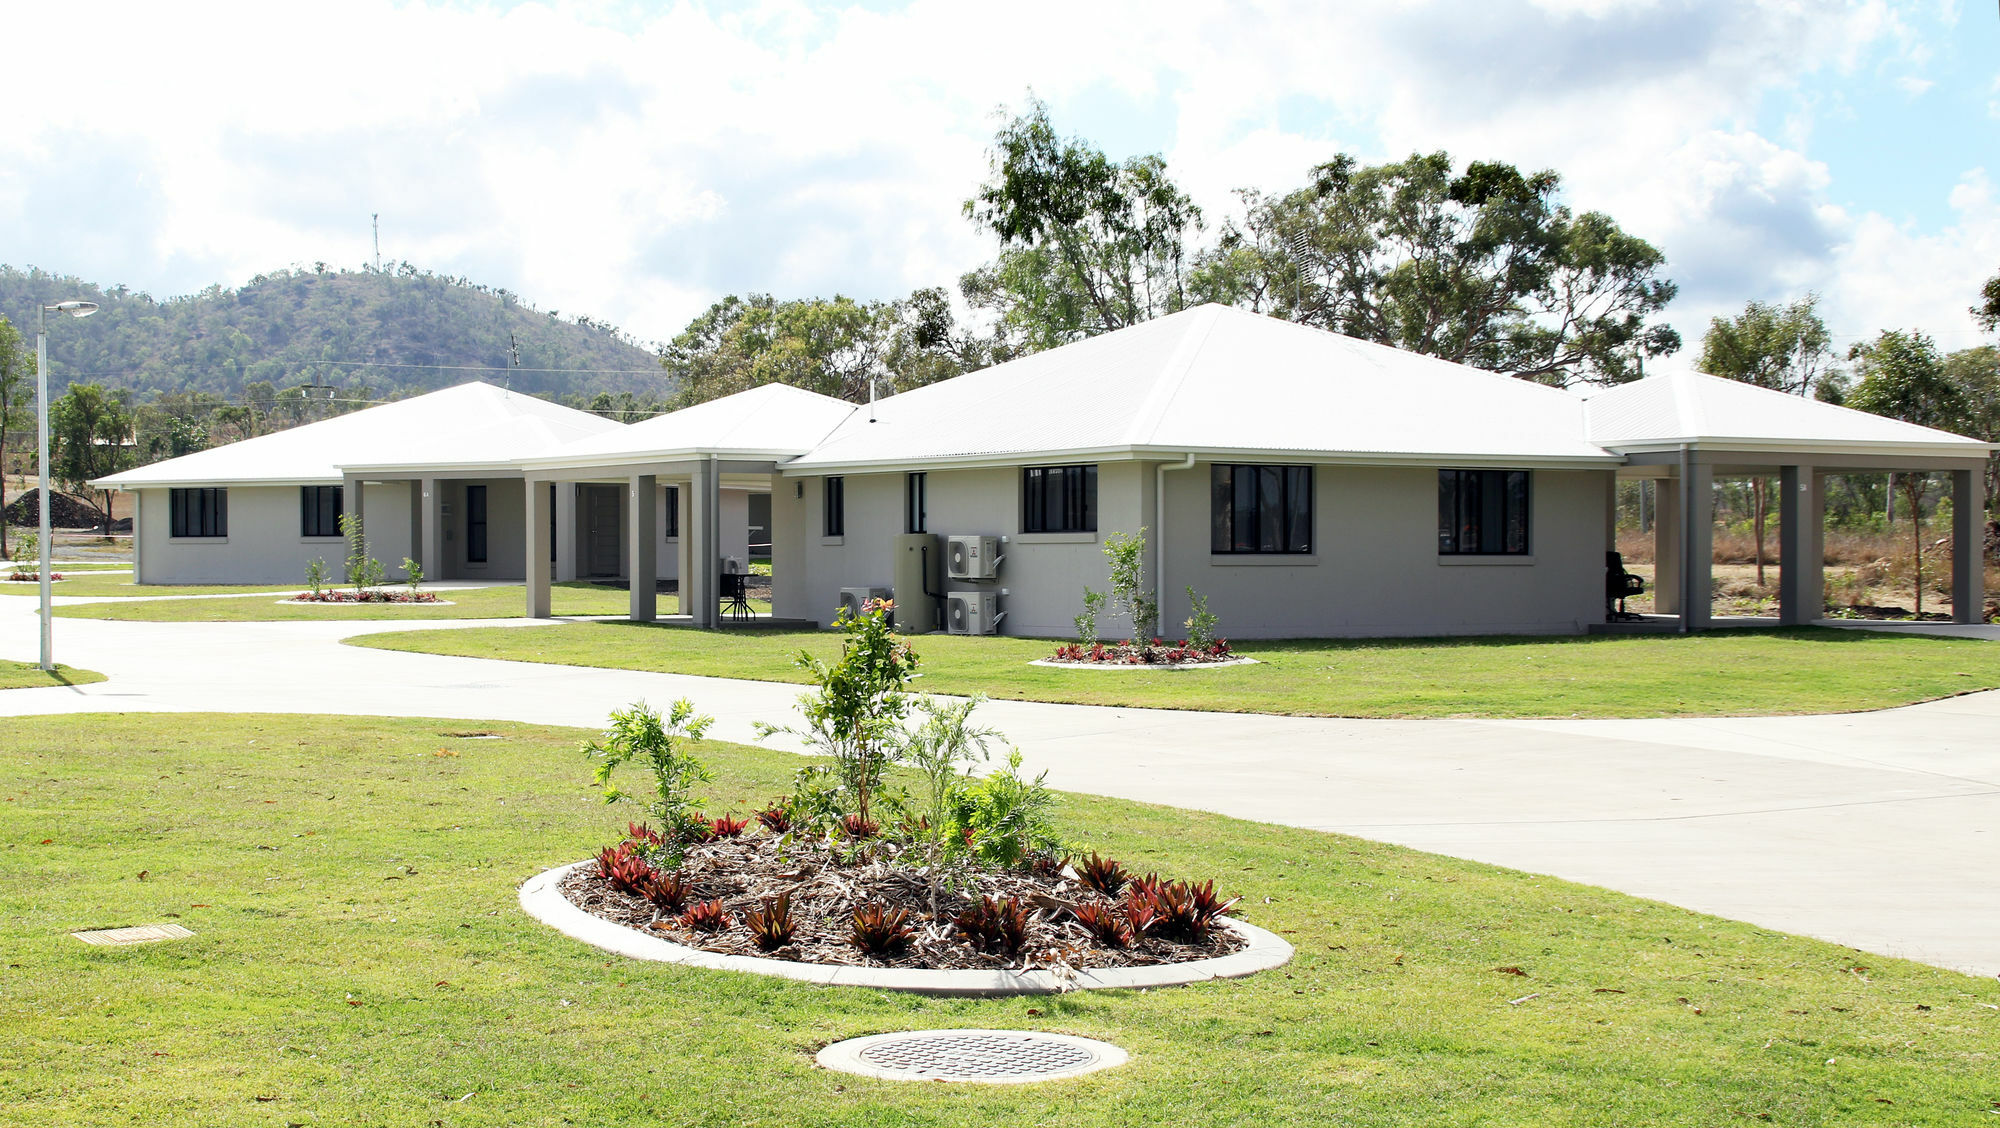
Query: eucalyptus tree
x: 17, y: 382
x: 1901, y: 376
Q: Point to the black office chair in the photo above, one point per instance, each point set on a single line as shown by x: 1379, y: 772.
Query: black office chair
x: 1619, y: 584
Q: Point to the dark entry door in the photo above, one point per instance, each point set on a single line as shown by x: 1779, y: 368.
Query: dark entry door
x: 601, y: 535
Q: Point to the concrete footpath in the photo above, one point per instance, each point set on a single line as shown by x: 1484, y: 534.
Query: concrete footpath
x: 1874, y: 830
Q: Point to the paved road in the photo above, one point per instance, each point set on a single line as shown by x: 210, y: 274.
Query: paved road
x: 1876, y: 830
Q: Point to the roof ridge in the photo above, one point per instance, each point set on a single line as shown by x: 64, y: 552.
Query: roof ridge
x: 1174, y: 373
x: 1692, y: 417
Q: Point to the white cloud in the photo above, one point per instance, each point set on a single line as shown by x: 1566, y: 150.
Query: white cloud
x: 634, y: 162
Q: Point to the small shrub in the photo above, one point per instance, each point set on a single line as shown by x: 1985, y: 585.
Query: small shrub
x: 777, y: 818
x: 660, y: 743
x: 1200, y: 624
x: 994, y: 925
x: 1126, y: 553
x: 1086, y: 623
x: 669, y: 891
x: 1105, y: 876
x: 856, y: 827
x: 771, y: 926
x: 1105, y: 925
x: 726, y: 827
x: 705, y: 916
x: 316, y: 575
x: 413, y: 574
x: 879, y: 930
x: 1007, y: 820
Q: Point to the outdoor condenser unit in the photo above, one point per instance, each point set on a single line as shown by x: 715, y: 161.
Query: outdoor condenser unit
x: 972, y: 612
x: 851, y: 598
x: 972, y: 558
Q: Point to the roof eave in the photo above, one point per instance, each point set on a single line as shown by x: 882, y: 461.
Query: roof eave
x: 1210, y: 454
x: 1964, y: 448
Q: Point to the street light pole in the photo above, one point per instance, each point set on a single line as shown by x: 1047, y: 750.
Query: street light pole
x: 74, y: 309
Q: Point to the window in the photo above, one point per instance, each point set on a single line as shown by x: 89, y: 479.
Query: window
x: 1059, y: 499
x: 198, y: 513
x: 552, y: 523
x: 319, y: 511
x: 1482, y: 513
x: 836, y: 507
x: 1260, y: 509
x: 672, y: 525
x: 913, y: 503
x: 475, y: 524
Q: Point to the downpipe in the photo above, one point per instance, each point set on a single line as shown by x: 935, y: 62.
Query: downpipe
x: 1160, y: 531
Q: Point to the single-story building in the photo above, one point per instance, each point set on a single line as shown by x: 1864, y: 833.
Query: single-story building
x: 1305, y: 483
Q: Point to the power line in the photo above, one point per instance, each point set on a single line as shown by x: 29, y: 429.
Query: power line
x: 388, y: 364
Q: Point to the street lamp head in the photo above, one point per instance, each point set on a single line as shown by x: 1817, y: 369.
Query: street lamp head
x: 73, y: 308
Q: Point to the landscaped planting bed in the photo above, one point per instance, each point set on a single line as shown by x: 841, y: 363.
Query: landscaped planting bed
x: 375, y: 595
x: 840, y: 901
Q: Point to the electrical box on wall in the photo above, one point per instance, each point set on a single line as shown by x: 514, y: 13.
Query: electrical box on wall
x: 918, y: 562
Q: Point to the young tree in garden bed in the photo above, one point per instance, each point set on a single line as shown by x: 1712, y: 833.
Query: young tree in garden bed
x: 856, y: 715
x: 660, y: 744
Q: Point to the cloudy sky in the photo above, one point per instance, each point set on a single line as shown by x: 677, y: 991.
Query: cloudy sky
x: 635, y: 161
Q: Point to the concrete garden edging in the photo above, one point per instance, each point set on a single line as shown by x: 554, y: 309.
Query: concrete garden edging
x: 542, y: 898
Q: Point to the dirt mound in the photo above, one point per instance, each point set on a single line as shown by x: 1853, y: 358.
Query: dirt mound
x: 67, y: 512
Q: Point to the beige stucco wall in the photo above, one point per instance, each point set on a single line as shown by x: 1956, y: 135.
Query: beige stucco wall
x: 1376, y: 570
x: 264, y: 545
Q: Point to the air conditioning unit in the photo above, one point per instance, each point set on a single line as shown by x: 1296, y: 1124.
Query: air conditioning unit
x: 972, y: 558
x: 852, y: 598
x: 972, y: 612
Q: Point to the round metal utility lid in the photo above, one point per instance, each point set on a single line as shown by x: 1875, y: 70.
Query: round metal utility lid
x: 995, y: 1057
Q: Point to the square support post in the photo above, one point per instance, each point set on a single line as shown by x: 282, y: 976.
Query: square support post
x: 534, y: 506
x: 430, y: 522
x: 566, y: 529
x: 642, y: 546
x: 1801, y: 545
x: 683, y: 569
x: 1666, y: 546
x: 352, y: 501
x: 138, y: 538
x: 1697, y: 542
x: 1968, y: 546
x: 700, y: 588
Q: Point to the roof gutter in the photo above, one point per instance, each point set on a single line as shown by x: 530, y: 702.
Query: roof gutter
x: 1160, y: 532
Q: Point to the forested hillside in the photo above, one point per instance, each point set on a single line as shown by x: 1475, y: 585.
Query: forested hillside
x: 378, y: 333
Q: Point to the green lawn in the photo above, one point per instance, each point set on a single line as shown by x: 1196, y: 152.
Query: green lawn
x: 359, y: 958
x: 1807, y: 670
x: 29, y: 675
x: 505, y: 602
x: 119, y: 585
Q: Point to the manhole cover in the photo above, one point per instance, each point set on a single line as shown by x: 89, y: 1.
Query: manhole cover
x: 994, y: 1056
x: 138, y: 934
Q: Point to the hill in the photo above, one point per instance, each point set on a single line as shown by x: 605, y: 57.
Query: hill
x: 373, y: 333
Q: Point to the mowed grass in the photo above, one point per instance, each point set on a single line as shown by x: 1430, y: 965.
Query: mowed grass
x: 29, y: 675
x: 360, y: 958
x: 99, y: 584
x: 1720, y: 673
x: 505, y: 602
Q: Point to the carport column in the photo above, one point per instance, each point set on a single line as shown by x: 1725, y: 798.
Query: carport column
x: 1697, y: 541
x: 684, y: 523
x: 1667, y: 546
x: 351, y: 499
x: 534, y: 513
x: 565, y: 529
x: 1801, y: 545
x: 430, y: 543
x: 1968, y: 546
x: 642, y: 535
x: 705, y: 554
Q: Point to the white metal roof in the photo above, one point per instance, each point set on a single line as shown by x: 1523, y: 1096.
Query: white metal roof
x: 1219, y: 380
x: 771, y: 421
x: 474, y: 423
x: 1696, y: 409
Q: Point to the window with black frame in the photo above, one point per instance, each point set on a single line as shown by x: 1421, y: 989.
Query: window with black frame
x: 1059, y: 499
x: 671, y: 527
x: 475, y: 524
x: 836, y: 506
x: 1260, y: 510
x: 913, y: 502
x: 320, y: 508
x: 202, y: 512
x: 1483, y: 512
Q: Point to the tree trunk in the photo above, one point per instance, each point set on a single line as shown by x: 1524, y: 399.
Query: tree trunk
x: 4, y: 554
x: 1757, y: 494
x: 106, y: 495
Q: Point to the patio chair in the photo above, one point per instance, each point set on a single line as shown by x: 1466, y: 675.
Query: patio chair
x: 1618, y: 584
x: 735, y: 595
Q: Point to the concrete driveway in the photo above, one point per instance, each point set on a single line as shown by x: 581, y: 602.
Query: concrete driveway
x: 1874, y: 830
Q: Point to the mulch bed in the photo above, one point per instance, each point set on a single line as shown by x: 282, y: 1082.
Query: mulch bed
x: 331, y: 596
x: 741, y: 872
x: 1132, y: 654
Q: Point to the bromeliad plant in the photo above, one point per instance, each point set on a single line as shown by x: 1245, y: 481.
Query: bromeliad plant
x: 660, y: 744
x: 856, y: 715
x: 879, y: 930
x: 771, y: 926
x: 994, y: 925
